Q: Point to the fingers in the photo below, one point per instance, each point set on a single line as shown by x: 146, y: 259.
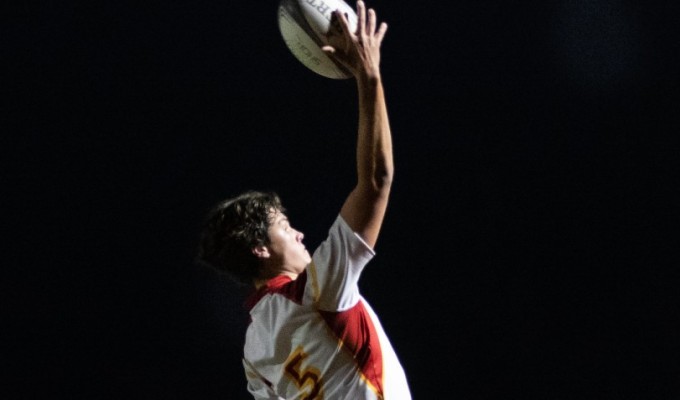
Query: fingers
x: 334, y: 26
x: 361, y: 17
x: 370, y: 28
x: 381, y: 32
x: 339, y: 27
x: 367, y: 29
x: 367, y: 22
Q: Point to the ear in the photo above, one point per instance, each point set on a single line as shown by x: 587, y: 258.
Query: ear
x: 261, y: 251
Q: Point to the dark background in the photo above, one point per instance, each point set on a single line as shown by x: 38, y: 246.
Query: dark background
x: 528, y: 251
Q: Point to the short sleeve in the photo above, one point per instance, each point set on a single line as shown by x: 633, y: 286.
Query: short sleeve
x: 333, y: 275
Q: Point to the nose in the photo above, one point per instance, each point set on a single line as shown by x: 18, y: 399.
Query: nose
x: 300, y: 236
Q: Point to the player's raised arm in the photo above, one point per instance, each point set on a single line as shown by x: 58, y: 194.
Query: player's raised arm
x: 359, y: 51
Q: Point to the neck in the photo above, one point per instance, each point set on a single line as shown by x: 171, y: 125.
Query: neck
x: 259, y: 282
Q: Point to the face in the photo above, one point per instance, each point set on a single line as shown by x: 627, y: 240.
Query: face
x: 286, y: 253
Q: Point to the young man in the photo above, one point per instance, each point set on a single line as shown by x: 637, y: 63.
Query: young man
x: 311, y: 334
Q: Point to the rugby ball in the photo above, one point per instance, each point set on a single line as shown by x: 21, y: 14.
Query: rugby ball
x: 304, y: 25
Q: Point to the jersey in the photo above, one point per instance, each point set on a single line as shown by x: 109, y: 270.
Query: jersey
x: 316, y: 337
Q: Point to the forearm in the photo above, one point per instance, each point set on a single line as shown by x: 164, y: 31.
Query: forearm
x: 375, y: 164
x: 365, y: 207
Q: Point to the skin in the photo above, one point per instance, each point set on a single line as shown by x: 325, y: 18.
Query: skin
x: 285, y: 254
x: 365, y: 207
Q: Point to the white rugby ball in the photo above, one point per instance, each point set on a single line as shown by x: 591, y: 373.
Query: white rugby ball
x: 304, y: 25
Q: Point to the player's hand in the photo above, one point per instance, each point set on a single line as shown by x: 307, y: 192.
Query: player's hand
x: 358, y: 51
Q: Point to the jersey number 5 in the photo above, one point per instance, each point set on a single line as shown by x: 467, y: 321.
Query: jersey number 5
x: 308, y: 377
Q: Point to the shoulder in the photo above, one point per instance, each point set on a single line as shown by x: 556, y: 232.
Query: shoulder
x: 281, y: 285
x: 342, y: 231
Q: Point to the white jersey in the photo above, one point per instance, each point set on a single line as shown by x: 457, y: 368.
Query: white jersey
x: 316, y: 337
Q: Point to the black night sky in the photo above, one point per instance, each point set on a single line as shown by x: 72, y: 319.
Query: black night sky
x: 528, y: 252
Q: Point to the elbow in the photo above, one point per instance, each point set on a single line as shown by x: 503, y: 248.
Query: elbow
x: 382, y: 179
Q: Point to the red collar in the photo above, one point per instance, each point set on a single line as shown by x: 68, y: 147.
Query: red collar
x: 282, y: 284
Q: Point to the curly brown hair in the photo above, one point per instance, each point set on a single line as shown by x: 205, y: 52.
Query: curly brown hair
x: 233, y: 228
